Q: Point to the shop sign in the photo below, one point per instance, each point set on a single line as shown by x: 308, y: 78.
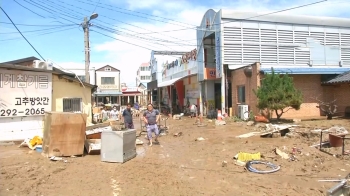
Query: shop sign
x: 193, y: 94
x: 27, y: 93
x: 218, y: 62
x: 210, y: 74
x: 189, y: 56
x: 108, y: 87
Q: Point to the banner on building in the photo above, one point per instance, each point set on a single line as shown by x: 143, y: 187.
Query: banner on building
x: 218, y: 57
x: 24, y: 93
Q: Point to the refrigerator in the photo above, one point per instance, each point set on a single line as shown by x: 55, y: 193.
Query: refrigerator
x: 118, y: 146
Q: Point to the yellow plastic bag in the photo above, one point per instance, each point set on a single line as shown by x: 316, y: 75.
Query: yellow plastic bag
x: 35, y: 141
x: 242, y: 156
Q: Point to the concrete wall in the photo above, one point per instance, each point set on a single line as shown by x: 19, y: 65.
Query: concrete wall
x: 62, y: 88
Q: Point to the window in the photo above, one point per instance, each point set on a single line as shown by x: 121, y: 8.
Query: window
x: 72, y: 105
x: 145, y: 68
x: 107, y: 80
x: 108, y: 69
x: 145, y: 77
x: 241, y: 94
x: 82, y: 78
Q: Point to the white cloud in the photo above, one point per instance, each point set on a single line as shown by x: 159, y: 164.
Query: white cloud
x: 127, y: 57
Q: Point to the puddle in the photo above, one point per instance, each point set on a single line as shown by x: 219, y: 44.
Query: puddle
x: 140, y: 151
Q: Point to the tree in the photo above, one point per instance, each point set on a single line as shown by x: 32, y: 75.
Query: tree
x: 277, y: 93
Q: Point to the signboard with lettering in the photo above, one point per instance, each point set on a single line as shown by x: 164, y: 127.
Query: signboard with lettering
x: 218, y: 59
x: 24, y: 93
x: 210, y: 74
x: 108, y: 87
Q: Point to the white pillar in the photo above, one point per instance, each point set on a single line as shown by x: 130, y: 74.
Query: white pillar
x: 128, y: 99
x: 200, y: 98
x: 223, y: 90
x: 134, y: 98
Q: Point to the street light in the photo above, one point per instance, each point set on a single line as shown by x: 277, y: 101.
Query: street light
x: 86, y: 24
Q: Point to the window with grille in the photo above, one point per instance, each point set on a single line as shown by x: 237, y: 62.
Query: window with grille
x: 72, y: 105
x: 107, y: 80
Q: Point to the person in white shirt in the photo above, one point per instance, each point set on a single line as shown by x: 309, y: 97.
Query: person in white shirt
x: 104, y: 114
x: 114, y: 114
x: 193, y: 110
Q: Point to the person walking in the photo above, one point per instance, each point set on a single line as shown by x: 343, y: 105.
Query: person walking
x: 151, y: 117
x: 127, y: 117
x: 114, y: 114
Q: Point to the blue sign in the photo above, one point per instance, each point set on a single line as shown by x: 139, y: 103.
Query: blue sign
x: 217, y: 54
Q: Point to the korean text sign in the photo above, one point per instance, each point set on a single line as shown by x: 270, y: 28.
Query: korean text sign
x: 24, y: 93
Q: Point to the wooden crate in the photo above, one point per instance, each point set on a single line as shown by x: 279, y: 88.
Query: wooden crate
x: 64, y: 134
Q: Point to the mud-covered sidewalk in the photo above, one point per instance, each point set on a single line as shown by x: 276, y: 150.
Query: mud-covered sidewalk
x: 180, y: 166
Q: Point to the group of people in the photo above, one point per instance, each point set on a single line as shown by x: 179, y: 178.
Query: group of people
x: 150, y: 117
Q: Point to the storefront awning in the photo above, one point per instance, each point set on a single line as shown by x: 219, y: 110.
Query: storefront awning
x: 108, y: 93
x: 169, y: 82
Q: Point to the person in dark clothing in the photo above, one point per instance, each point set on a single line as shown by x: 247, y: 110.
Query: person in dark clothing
x: 127, y: 117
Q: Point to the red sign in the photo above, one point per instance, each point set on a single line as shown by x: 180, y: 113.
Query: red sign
x: 210, y: 74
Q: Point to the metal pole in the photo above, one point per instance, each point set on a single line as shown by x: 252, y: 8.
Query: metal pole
x: 87, y: 49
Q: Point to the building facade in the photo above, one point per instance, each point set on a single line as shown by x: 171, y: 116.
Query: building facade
x: 143, y: 76
x: 109, y: 87
x: 174, y: 78
x: 30, y: 92
x: 298, y: 45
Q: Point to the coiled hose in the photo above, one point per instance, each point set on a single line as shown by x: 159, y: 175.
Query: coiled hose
x: 273, y: 167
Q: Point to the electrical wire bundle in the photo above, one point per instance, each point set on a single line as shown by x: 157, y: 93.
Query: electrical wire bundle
x: 273, y: 167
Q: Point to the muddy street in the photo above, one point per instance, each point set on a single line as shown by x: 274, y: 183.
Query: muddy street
x: 181, y: 166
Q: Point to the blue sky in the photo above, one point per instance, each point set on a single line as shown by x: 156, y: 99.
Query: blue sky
x: 52, y: 26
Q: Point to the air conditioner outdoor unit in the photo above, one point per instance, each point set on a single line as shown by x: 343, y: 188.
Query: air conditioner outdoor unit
x: 42, y: 65
x: 243, y: 112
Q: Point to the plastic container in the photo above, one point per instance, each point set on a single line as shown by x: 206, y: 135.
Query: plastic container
x: 39, y: 148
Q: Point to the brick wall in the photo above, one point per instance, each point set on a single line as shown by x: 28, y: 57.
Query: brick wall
x: 238, y: 78
x: 342, y: 94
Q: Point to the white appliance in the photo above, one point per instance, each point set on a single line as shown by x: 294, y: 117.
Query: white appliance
x: 243, y: 112
x: 118, y: 146
x: 42, y: 65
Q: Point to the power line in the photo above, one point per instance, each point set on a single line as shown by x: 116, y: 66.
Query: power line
x: 152, y: 15
x: 235, y: 20
x: 47, y: 10
x: 36, y: 30
x: 96, y: 6
x: 19, y: 24
x: 21, y: 33
x: 67, y: 8
x: 39, y: 34
x: 109, y: 8
x: 29, y: 9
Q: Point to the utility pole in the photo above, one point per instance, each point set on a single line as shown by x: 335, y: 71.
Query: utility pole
x: 86, y: 49
x: 86, y: 24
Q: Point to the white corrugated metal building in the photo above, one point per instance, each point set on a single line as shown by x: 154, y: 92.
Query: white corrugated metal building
x: 228, y: 40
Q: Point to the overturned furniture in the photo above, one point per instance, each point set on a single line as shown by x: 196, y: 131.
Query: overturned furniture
x: 64, y: 134
x: 93, y: 137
